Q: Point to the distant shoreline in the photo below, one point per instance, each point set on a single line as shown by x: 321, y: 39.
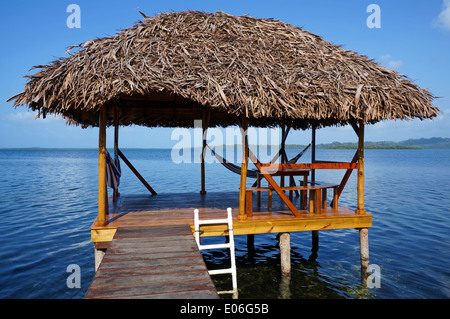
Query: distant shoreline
x: 422, y: 143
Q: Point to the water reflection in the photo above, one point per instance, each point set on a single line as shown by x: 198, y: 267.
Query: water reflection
x: 259, y: 271
x: 285, y: 289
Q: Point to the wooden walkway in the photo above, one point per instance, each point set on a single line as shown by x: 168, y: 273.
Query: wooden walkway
x: 153, y: 262
x: 178, y: 209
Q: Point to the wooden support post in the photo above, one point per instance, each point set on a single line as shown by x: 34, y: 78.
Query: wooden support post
x: 249, y: 203
x: 360, y: 186
x: 102, y: 190
x: 283, y: 153
x: 324, y: 198
x: 334, y: 203
x: 242, y: 207
x: 364, y: 250
x: 205, y: 123
x: 285, y: 253
x: 258, y: 194
x: 314, y: 233
x: 312, y: 197
x: 313, y: 153
x: 363, y: 232
x: 116, y: 143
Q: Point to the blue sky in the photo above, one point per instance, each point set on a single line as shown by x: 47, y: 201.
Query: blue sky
x: 414, y: 39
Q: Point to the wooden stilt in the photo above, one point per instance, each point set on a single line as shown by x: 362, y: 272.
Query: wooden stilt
x: 242, y: 211
x: 285, y: 253
x: 364, y: 250
x: 363, y: 232
x: 314, y: 233
x: 102, y: 190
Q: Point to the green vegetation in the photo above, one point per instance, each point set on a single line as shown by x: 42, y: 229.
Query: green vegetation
x: 422, y: 143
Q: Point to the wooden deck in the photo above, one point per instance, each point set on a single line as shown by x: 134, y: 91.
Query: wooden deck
x: 152, y: 262
x: 151, y: 251
x: 178, y: 209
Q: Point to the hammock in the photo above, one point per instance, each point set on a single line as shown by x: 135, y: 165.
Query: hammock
x: 113, y: 171
x: 232, y: 167
x: 250, y: 173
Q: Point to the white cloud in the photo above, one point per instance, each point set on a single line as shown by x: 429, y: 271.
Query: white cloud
x: 395, y: 64
x: 26, y: 117
x: 443, y: 19
x: 392, y: 64
x: 19, y: 117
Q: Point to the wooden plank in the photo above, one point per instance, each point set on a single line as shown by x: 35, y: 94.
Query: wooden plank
x: 138, y: 263
x: 114, y: 272
x: 205, y: 294
x: 143, y: 279
x: 166, y: 240
x: 270, y: 222
x: 141, y: 249
x: 300, y: 187
x: 102, y: 234
x: 116, y: 256
x: 139, y: 232
x: 149, y: 290
x: 327, y: 165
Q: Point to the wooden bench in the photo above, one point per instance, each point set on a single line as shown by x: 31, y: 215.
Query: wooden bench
x: 317, y: 196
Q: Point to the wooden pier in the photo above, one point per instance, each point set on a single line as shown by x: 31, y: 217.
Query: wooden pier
x: 150, y: 247
x: 152, y: 262
x: 178, y: 209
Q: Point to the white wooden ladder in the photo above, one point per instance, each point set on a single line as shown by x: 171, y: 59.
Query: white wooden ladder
x: 229, y: 245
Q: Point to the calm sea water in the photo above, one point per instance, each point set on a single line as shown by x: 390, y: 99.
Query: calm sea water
x: 48, y: 202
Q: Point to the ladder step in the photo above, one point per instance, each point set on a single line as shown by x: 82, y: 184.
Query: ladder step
x: 212, y: 221
x: 215, y: 246
x: 220, y: 271
x: 230, y: 245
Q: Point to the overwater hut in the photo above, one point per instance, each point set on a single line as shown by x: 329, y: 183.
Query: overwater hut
x: 173, y: 68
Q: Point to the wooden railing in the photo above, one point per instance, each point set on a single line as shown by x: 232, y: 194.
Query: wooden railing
x: 316, y: 165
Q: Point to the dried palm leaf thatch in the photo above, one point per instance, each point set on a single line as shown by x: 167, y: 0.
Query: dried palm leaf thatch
x: 165, y: 69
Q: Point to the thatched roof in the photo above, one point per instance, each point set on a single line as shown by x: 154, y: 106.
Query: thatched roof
x: 164, y: 70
